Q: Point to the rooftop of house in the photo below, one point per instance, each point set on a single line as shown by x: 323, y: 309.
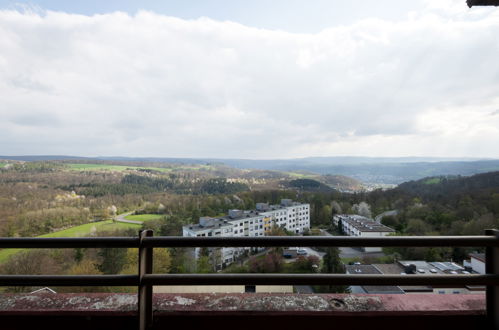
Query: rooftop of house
x: 210, y: 223
x: 419, y: 267
x: 364, y: 224
x: 236, y: 215
x: 435, y: 267
x: 395, y: 269
x: 478, y: 256
x: 373, y: 289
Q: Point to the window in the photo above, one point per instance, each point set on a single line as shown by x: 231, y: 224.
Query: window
x: 249, y: 289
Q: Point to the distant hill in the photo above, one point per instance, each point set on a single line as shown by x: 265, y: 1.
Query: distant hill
x: 378, y: 170
x: 390, y: 170
x: 309, y: 185
x: 448, y: 187
x: 341, y: 182
x: 38, y: 158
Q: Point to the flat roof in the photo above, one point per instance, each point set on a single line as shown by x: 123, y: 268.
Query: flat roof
x: 370, y: 269
x: 396, y: 269
x: 365, y: 224
x: 245, y: 214
x: 216, y: 223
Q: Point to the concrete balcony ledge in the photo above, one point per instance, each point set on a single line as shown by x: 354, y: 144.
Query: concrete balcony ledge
x: 103, y: 309
x: 338, y: 304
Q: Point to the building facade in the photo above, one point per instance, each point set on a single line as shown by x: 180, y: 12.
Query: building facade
x: 413, y: 268
x: 356, y: 225
x: 289, y: 215
x: 477, y: 263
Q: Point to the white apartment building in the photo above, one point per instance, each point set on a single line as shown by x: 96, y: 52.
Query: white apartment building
x: 477, y: 262
x: 357, y: 225
x: 292, y: 216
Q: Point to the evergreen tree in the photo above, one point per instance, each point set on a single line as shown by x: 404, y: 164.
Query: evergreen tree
x: 113, y: 260
x: 332, y: 264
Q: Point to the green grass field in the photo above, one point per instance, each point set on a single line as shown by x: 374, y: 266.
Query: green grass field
x: 432, y: 181
x: 78, y: 231
x: 118, y: 168
x: 299, y: 175
x: 121, y: 168
x: 2, y: 164
x: 143, y: 217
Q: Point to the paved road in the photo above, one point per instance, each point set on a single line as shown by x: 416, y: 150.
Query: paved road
x: 303, y: 289
x: 121, y: 218
x: 312, y: 252
x: 350, y: 252
x: 386, y: 214
x: 325, y: 233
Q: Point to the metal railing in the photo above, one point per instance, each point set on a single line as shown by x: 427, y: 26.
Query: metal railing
x: 145, y: 280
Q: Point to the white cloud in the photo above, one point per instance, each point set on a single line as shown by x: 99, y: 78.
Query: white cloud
x: 152, y: 85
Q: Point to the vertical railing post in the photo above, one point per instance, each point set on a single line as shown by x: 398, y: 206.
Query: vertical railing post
x: 492, y: 267
x: 145, y: 291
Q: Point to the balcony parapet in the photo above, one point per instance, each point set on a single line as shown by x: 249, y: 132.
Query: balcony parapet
x: 234, y: 303
x: 246, y: 310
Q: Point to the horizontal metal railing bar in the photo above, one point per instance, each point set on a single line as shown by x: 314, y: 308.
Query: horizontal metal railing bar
x: 246, y: 279
x: 68, y: 242
x: 317, y: 279
x: 337, y: 241
x: 268, y: 241
x: 69, y: 280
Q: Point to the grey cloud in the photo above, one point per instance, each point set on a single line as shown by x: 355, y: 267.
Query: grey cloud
x: 34, y: 119
x: 156, y: 85
x: 30, y: 84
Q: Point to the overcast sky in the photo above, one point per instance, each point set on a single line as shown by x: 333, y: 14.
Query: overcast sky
x: 249, y: 79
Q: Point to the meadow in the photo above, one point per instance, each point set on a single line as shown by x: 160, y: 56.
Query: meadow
x: 143, y: 217
x: 121, y: 168
x: 77, y: 231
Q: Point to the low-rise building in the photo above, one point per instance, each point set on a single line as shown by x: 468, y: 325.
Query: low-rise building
x: 477, y: 262
x: 413, y: 268
x: 357, y: 225
x: 419, y: 267
x: 372, y: 289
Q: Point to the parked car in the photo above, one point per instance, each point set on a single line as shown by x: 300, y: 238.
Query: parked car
x: 301, y: 252
x: 290, y: 253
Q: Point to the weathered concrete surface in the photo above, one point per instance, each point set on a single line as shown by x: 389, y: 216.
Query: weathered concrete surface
x: 72, y: 302
x: 329, y: 304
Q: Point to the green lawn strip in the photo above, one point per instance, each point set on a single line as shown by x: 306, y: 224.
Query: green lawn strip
x: 432, y: 181
x: 118, y: 168
x: 99, y: 167
x: 195, y: 167
x: 347, y: 261
x: 300, y: 175
x: 143, y: 217
x: 2, y: 164
x: 78, y: 231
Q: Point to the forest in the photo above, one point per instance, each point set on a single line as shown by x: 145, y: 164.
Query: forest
x: 38, y: 198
